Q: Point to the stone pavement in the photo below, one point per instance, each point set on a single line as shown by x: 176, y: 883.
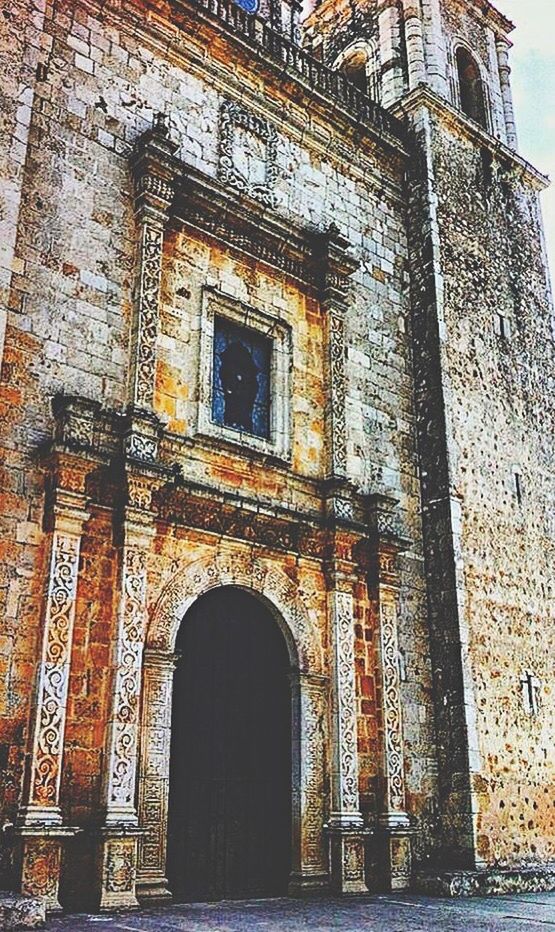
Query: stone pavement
x: 373, y: 914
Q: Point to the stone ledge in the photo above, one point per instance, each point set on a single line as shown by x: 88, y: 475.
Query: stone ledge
x: 21, y: 912
x: 493, y: 882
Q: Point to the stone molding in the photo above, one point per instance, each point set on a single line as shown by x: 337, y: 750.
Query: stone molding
x: 455, y: 120
x: 316, y: 259
x: 278, y: 444
x: 235, y: 566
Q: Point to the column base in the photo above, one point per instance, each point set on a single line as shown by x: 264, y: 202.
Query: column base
x: 117, y: 867
x: 154, y: 891
x: 347, y: 859
x: 308, y: 883
x: 38, y: 860
x: 393, y: 857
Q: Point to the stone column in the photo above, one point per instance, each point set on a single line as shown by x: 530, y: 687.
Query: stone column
x: 39, y: 830
x: 503, y: 47
x: 414, y: 36
x: 156, y: 171
x: 120, y: 828
x: 310, y: 861
x: 154, y: 774
x: 392, y: 71
x: 394, y: 826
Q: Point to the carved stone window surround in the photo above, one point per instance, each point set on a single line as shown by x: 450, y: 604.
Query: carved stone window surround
x: 279, y: 442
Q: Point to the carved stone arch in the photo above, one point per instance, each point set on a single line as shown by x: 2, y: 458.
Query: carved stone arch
x: 478, y: 107
x: 298, y: 620
x: 284, y: 599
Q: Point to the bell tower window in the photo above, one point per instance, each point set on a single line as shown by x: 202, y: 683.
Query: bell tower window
x: 471, y: 88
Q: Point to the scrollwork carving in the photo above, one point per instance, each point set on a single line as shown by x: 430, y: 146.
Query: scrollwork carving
x: 233, y: 116
x: 347, y: 800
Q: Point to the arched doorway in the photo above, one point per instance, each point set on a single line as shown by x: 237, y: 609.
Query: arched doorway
x: 229, y: 829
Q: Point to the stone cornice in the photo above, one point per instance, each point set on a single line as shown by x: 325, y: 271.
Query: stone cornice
x: 488, y: 13
x: 309, y: 256
x: 455, y: 120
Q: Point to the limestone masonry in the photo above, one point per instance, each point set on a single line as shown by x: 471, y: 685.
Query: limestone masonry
x: 277, y: 362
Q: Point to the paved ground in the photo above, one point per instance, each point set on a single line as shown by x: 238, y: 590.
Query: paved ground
x: 369, y: 914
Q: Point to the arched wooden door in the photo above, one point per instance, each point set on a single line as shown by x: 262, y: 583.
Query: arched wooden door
x: 229, y: 830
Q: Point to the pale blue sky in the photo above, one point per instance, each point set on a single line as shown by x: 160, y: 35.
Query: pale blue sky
x: 533, y: 79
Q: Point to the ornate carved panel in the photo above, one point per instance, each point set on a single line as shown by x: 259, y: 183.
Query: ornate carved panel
x: 42, y: 797
x: 395, y: 781
x: 345, y: 791
x: 248, y: 149
x: 121, y: 763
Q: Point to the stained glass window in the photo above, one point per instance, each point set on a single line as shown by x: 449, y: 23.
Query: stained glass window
x: 241, y: 378
x: 251, y: 6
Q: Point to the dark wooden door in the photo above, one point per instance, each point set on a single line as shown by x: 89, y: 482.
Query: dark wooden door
x: 229, y: 830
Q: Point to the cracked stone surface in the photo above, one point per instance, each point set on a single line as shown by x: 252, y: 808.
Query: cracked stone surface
x: 377, y: 913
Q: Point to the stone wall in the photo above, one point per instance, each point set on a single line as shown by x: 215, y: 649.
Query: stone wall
x: 103, y: 76
x: 500, y: 418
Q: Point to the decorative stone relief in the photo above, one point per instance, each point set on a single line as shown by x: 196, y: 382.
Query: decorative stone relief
x: 248, y: 150
x: 42, y: 798
x: 155, y: 171
x: 41, y: 869
x: 345, y: 792
x: 119, y: 790
x: 395, y: 780
x: 313, y: 861
x: 226, y: 568
x: 154, y: 773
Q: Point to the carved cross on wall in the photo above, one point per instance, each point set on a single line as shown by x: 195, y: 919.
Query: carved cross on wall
x: 531, y: 686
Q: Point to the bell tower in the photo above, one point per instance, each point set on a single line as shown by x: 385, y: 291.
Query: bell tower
x: 483, y: 350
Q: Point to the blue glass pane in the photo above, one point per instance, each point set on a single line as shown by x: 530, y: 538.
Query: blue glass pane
x: 241, y: 378
x: 251, y: 6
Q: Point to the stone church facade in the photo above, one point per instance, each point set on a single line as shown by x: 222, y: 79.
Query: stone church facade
x: 277, y: 334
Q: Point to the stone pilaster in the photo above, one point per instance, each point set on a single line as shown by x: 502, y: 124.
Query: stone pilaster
x: 391, y: 58
x: 39, y: 830
x: 156, y: 171
x: 393, y: 825
x: 347, y: 834
x: 119, y: 832
x: 154, y: 775
x: 336, y: 267
x: 310, y: 870
x: 503, y: 47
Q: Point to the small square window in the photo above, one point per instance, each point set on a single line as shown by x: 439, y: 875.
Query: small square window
x: 241, y: 378
x: 244, y: 376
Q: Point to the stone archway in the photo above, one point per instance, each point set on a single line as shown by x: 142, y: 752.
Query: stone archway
x: 299, y: 625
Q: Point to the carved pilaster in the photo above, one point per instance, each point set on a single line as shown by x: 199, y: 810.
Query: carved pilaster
x: 394, y: 826
x: 310, y: 869
x: 120, y: 816
x: 335, y: 268
x: 345, y: 827
x: 391, y: 56
x: 154, y: 774
x: 155, y: 170
x: 39, y: 825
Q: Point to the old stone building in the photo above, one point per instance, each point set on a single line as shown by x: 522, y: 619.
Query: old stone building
x: 278, y: 482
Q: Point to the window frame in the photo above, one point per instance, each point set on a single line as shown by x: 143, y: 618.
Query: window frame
x: 216, y: 303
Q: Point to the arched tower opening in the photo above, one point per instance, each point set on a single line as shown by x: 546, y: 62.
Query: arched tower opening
x: 471, y: 87
x: 359, y: 64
